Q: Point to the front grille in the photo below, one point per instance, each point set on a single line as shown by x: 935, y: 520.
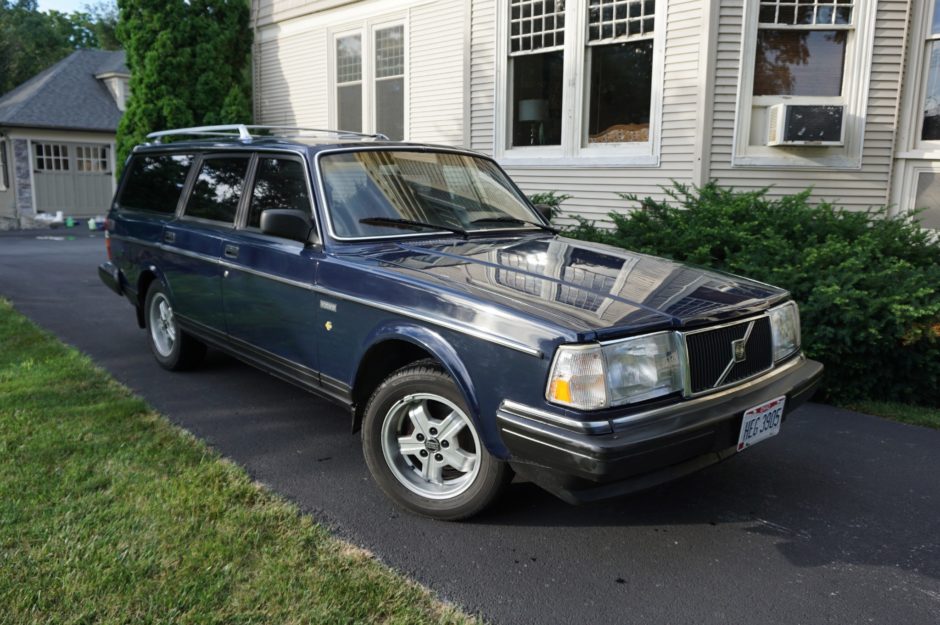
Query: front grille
x: 711, y: 351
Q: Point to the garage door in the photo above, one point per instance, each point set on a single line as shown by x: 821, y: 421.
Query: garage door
x: 74, y: 178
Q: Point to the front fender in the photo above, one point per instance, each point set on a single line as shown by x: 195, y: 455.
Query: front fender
x: 434, y: 344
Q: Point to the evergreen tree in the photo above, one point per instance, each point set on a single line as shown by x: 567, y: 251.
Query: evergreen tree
x: 189, y: 64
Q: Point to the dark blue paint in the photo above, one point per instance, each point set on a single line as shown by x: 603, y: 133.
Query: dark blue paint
x: 528, y: 287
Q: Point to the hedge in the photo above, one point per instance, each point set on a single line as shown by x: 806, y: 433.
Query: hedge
x: 868, y: 285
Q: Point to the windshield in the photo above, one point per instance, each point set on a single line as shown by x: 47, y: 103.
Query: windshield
x: 374, y: 193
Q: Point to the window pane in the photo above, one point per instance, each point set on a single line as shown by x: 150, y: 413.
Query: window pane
x: 217, y: 190
x: 349, y: 107
x: 808, y: 12
x: 279, y: 184
x: 390, y: 52
x: 349, y: 59
x: 621, y: 91
x: 928, y: 197
x: 4, y: 172
x: 935, y: 26
x: 799, y: 62
x: 537, y: 84
x: 390, y: 108
x: 154, y: 183
x: 536, y: 24
x: 608, y: 19
x: 931, y: 129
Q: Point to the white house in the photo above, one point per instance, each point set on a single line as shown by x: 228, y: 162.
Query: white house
x: 596, y: 97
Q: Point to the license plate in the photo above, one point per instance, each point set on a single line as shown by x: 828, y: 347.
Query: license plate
x: 761, y: 422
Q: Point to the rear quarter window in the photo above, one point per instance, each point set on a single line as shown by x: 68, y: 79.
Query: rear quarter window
x: 155, y: 182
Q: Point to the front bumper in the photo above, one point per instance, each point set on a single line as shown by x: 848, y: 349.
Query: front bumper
x: 582, y: 462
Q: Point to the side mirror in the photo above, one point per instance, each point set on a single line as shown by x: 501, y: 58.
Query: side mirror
x: 288, y: 224
x: 545, y: 211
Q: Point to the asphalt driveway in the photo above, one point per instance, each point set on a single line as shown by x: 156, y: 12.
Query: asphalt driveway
x: 837, y: 520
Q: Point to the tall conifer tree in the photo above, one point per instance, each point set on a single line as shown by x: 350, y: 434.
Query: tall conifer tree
x: 189, y: 62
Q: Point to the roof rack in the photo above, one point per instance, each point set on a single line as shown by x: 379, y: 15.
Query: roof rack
x: 243, y: 132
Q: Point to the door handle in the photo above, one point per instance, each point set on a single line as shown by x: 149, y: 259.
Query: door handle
x: 169, y: 237
x: 231, y: 251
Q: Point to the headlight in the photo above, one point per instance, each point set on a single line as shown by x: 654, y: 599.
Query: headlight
x: 632, y: 370
x: 785, y: 329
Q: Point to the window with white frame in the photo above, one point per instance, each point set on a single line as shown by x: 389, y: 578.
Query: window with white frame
x: 620, y: 58
x: 927, y: 198
x: 4, y: 167
x: 389, y: 86
x: 801, y: 46
x: 349, y: 82
x: 804, y: 81
x: 370, y: 81
x: 930, y: 126
x: 610, y: 47
x: 51, y: 157
x: 537, y: 59
x: 92, y: 159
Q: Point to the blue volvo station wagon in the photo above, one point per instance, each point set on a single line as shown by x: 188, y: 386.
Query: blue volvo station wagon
x: 418, y: 287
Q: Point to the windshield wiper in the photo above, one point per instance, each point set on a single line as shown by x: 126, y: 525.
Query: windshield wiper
x: 410, y: 223
x: 515, y: 220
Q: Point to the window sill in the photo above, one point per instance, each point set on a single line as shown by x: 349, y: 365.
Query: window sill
x: 793, y: 162
x: 607, y: 161
x: 924, y: 152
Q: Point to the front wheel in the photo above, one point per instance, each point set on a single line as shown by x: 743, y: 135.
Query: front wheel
x: 424, y: 450
x: 172, y: 347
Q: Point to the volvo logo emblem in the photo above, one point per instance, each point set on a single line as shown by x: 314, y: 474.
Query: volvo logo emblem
x: 738, y: 355
x: 738, y: 347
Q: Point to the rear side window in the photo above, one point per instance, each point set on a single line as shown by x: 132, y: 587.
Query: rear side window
x: 218, y: 189
x: 279, y: 183
x: 154, y: 183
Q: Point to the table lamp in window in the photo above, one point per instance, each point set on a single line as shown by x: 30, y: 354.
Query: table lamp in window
x: 534, y: 112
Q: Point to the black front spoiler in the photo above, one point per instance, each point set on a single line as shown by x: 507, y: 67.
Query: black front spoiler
x: 643, y: 450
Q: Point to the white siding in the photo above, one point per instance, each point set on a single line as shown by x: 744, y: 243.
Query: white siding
x: 482, y: 75
x: 854, y: 189
x: 436, y: 72
x: 291, y: 79
x: 270, y: 11
x: 593, y: 189
x: 292, y: 67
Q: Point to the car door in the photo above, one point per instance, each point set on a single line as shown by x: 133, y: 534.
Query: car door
x: 193, y: 241
x: 267, y: 285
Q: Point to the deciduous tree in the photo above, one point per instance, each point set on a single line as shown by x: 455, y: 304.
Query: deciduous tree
x: 32, y: 40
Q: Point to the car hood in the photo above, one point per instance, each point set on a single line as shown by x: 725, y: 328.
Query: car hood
x: 599, y: 291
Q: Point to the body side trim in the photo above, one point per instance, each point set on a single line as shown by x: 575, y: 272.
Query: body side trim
x: 398, y: 310
x: 305, y: 377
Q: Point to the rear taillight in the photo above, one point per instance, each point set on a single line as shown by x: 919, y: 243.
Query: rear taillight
x: 107, y: 243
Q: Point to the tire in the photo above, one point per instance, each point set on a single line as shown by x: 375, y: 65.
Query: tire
x: 415, y: 431
x: 174, y: 349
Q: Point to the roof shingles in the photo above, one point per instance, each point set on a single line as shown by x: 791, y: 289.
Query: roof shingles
x: 67, y: 95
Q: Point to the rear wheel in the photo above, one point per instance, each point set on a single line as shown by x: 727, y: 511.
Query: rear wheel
x: 172, y: 347
x: 424, y: 450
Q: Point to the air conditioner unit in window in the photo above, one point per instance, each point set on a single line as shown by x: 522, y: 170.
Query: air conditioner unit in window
x: 805, y: 124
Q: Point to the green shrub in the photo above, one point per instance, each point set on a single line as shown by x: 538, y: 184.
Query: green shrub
x: 551, y: 199
x: 868, y: 286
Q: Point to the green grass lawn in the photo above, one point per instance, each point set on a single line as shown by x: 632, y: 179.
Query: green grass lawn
x: 109, y: 514
x: 905, y: 413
